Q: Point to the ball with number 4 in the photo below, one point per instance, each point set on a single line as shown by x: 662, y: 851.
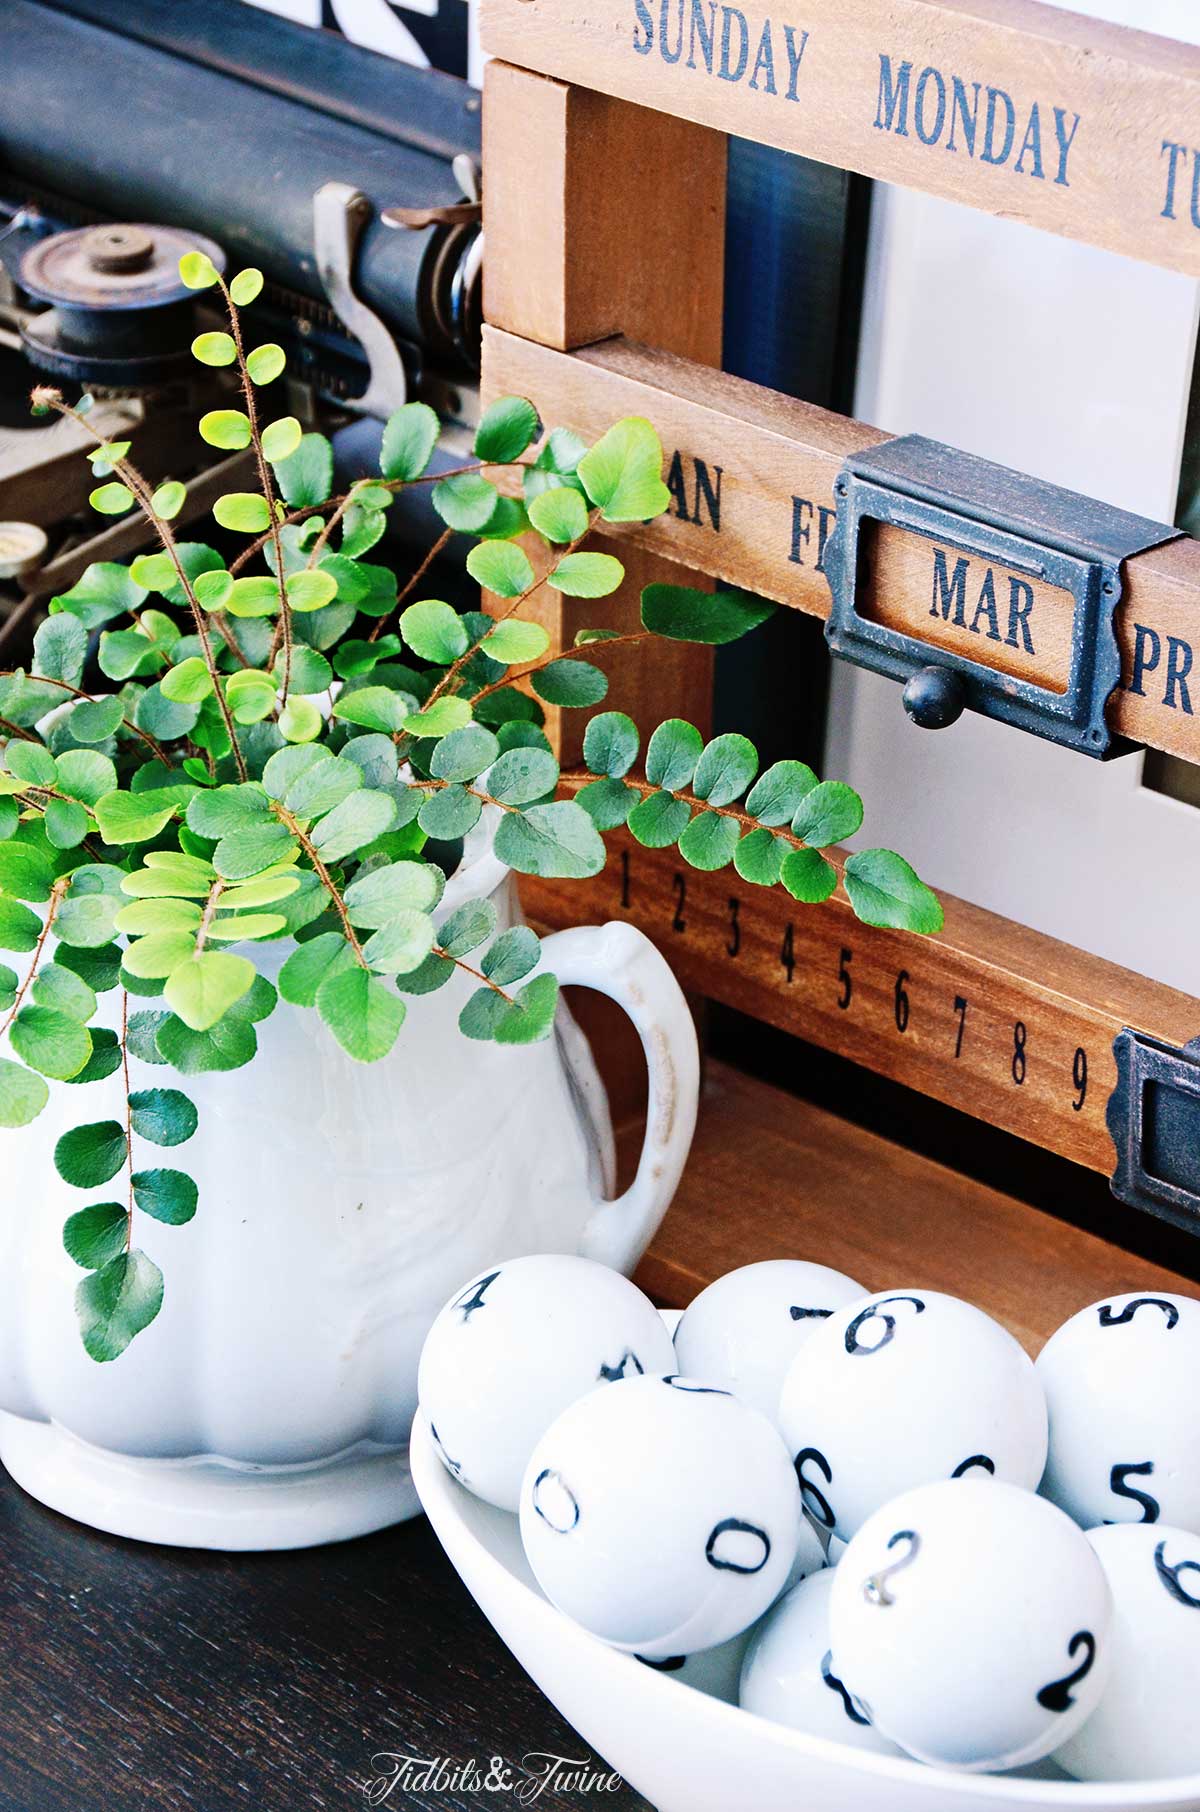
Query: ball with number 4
x: 518, y: 1343
x: 1120, y: 1381
x: 905, y: 1387
x: 972, y: 1620
x: 1145, y: 1726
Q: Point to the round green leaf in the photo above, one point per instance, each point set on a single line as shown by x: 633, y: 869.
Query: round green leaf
x: 308, y: 965
x: 29, y: 761
x: 409, y: 437
x: 556, y: 841
x: 202, y: 990
x: 25, y: 874
x: 265, y: 363
x: 559, y: 514
x: 65, y: 823
x: 464, y: 754
x: 281, y: 438
x: 188, y: 683
x: 514, y: 953
x: 197, y: 271
x: 520, y: 776
x: 169, y: 498
x: 709, y: 841
x: 759, y: 856
x: 586, y: 575
x: 214, y: 349
x: 610, y: 743
x: 434, y: 631
x: 20, y: 928
x: 438, y: 719
x: 827, y: 814
x: 111, y: 499
x: 60, y: 648
x: 808, y: 876
x: 659, y: 820
x: 622, y: 473
x: 22, y: 1094
x: 505, y: 429
x: 311, y: 590
x: 571, y: 683
x: 607, y: 803
x: 59, y: 987
x: 213, y: 589
x: 246, y: 287
x: 400, y: 945
x: 89, y: 1155
x: 363, y: 1014
x: 725, y: 769
x: 501, y: 567
x: 466, y: 502
x: 530, y: 1018
x: 165, y: 1116
x: 117, y: 1303
x: 515, y: 641
x: 378, y: 896
x: 449, y: 814
x: 682, y: 614
x: 131, y: 817
x: 166, y: 1195
x: 243, y: 511
x: 97, y: 1234
x: 96, y: 719
x: 300, y: 720
x: 306, y: 476
x: 255, y: 595
x: 776, y: 794
x: 227, y: 428
x: 885, y: 890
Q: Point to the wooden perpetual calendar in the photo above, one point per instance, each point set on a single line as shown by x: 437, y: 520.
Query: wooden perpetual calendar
x: 605, y: 134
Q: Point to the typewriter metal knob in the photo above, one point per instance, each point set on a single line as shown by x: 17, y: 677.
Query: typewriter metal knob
x: 118, y: 249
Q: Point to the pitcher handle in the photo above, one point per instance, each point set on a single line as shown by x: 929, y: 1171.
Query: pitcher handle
x: 617, y: 960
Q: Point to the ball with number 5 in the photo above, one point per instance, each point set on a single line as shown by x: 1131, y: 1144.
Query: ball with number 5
x: 901, y: 1388
x: 972, y: 1621
x: 1120, y: 1383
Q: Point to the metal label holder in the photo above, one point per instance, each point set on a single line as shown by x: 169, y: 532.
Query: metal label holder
x: 977, y: 508
x: 1154, y: 1118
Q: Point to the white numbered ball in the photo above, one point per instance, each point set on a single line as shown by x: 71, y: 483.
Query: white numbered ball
x: 745, y: 1329
x: 661, y: 1514
x: 905, y: 1387
x: 789, y: 1674
x: 1145, y: 1726
x: 973, y: 1620
x: 1120, y: 1383
x: 518, y: 1343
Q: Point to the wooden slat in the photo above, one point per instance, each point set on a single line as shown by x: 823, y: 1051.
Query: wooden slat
x: 774, y: 1177
x: 752, y: 475
x: 1085, y: 129
x: 1010, y: 1055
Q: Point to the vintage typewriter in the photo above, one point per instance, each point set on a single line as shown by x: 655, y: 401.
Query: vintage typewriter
x: 359, y: 200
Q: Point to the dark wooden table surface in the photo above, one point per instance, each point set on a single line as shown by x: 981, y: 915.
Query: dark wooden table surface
x: 134, y: 1677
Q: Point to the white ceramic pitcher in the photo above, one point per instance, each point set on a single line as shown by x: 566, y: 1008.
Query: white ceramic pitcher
x: 269, y: 1404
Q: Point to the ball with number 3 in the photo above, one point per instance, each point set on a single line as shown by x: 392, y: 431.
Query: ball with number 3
x: 902, y: 1388
x: 1120, y: 1382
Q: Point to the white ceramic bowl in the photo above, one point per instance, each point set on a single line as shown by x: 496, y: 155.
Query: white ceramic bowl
x: 687, y: 1752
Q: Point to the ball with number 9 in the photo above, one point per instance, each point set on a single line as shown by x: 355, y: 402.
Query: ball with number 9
x: 1120, y: 1383
x: 902, y: 1388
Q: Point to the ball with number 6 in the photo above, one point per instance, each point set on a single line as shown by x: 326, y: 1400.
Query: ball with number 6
x: 902, y: 1388
x: 1145, y: 1726
x: 1120, y: 1383
x: 972, y: 1621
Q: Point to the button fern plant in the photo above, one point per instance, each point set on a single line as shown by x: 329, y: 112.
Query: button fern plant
x: 275, y: 738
